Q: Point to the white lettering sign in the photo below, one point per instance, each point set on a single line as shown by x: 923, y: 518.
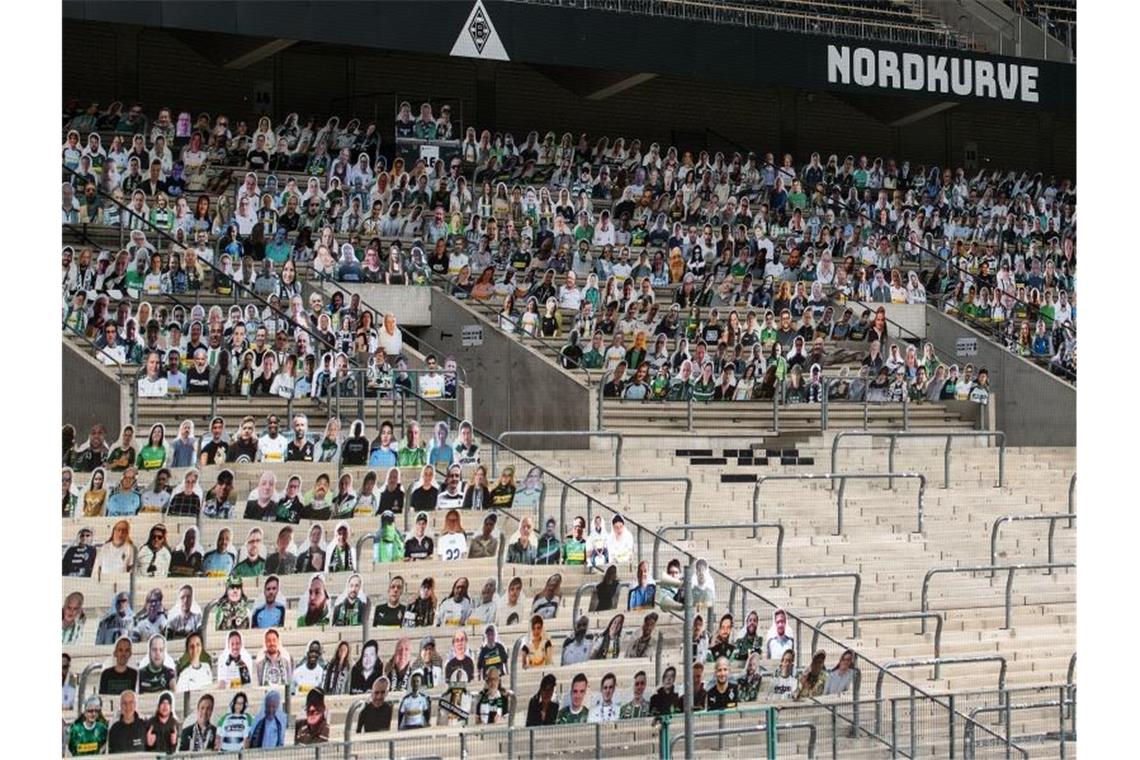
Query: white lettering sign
x: 472, y: 335
x: 963, y: 76
x: 966, y: 347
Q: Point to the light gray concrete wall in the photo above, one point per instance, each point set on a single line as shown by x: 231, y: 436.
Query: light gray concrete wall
x: 91, y: 394
x: 513, y: 388
x: 411, y: 305
x: 1031, y: 406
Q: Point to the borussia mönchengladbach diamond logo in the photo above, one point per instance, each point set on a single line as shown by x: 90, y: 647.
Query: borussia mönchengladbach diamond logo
x: 479, y: 29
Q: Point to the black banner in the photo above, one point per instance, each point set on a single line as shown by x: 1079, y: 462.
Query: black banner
x: 628, y: 42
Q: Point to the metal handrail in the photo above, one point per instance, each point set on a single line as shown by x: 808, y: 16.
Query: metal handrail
x: 235, y: 282
x: 882, y: 616
x: 592, y: 586
x: 1010, y: 569
x: 553, y: 351
x: 620, y: 479
x: 949, y: 436
x: 968, y: 732
x: 745, y: 730
x: 619, y: 437
x: 1023, y: 518
x: 755, y: 526
x: 843, y: 478
x: 1072, y: 498
x: 802, y: 576
x: 724, y: 577
x: 963, y: 660
x: 84, y: 677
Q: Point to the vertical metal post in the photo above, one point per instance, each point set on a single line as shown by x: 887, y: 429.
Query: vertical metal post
x: 1061, y: 721
x: 1052, y: 530
x: 687, y: 657
x: 946, y: 463
x: 1009, y: 599
x: 834, y: 734
x: 891, y: 462
x: 689, y: 414
x: 770, y: 732
x: 894, y: 729
x: 597, y: 742
x: 906, y: 410
x: 913, y: 726
x: 865, y: 409
x: 951, y: 726
x: 776, y: 415
x: 823, y: 408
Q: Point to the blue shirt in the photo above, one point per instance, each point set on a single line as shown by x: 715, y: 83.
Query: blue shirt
x: 441, y: 457
x: 379, y: 457
x: 639, y: 597
x: 123, y: 503
x: 269, y: 617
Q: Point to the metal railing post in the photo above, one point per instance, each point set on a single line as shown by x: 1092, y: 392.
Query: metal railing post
x: 687, y: 659
x: 1061, y: 721
x: 689, y: 414
x: 906, y: 410
x: 950, y: 719
x: 1072, y: 497
x: 891, y: 462
x: 946, y: 464
x: 894, y: 729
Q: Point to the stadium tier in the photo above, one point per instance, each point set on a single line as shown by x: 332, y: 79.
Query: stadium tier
x: 406, y: 437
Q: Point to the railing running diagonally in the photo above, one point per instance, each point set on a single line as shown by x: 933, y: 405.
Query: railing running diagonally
x: 616, y: 436
x: 688, y: 528
x: 937, y: 703
x: 969, y: 741
x: 843, y: 478
x: 998, y: 435
x: 1053, y: 519
x: 624, y: 479
x: 885, y: 616
x: 965, y: 660
x: 1009, y: 569
x: 591, y: 587
x: 857, y: 577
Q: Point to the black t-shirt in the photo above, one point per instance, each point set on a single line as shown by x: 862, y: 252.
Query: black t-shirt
x: 197, y: 382
x: 78, y: 561
x: 127, y: 737
x: 302, y: 452
x: 154, y: 681
x: 374, y: 718
x: 663, y: 703
x: 455, y: 666
x: 392, y: 500
x: 419, y: 548
x: 355, y: 451
x: 258, y: 160
x: 114, y: 683
x: 726, y: 701
x: 209, y: 735
x: 535, y: 715
x: 254, y: 511
x: 390, y: 616
x: 242, y: 451
x: 261, y: 385
x: 424, y: 498
x: 215, y: 451
x: 165, y: 734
